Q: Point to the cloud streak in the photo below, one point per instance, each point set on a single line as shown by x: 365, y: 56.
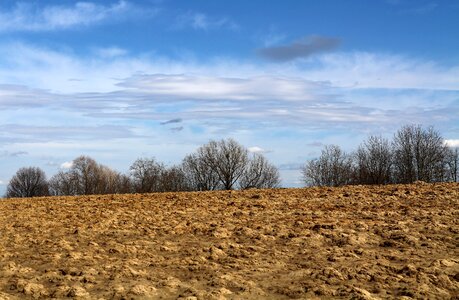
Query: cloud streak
x: 29, y: 133
x: 224, y: 88
x: 172, y: 121
x: 177, y: 129
x: 28, y: 17
x: 62, y: 72
x: 201, y: 21
x: 137, y: 89
x: 13, y: 154
x: 302, y: 48
x: 422, y: 9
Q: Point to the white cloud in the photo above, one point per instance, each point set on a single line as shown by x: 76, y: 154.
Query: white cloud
x: 64, y: 133
x: 200, y: 21
x: 2, y: 183
x: 67, y: 165
x: 61, y: 71
x: 64, y: 72
x: 28, y: 17
x: 206, y: 87
x: 256, y: 149
x: 111, y: 52
x: 371, y: 70
x: 452, y: 143
x: 156, y: 88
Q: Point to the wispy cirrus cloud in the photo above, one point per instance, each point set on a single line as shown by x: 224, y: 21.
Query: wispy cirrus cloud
x: 186, y: 86
x: 110, y: 52
x: 377, y: 70
x: 335, y: 90
x: 12, y: 154
x: 302, y: 48
x: 14, y: 96
x: 422, y: 7
x: 33, y: 133
x: 49, y: 69
x: 201, y: 21
x: 25, y: 16
x: 343, y: 83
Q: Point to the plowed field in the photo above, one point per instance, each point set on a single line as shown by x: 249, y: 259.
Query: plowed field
x: 355, y: 242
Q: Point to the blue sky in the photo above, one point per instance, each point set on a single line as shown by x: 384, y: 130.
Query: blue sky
x: 120, y: 79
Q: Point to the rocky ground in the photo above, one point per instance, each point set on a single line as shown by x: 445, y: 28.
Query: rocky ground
x: 359, y: 242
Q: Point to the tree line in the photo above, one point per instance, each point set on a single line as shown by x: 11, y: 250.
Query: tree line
x: 414, y: 154
x: 217, y: 165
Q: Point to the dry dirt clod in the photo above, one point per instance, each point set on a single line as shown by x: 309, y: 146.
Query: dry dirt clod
x: 356, y: 242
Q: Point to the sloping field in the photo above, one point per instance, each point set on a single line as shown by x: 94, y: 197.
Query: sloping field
x: 352, y: 242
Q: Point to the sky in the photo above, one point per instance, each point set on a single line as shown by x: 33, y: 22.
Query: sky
x: 123, y: 79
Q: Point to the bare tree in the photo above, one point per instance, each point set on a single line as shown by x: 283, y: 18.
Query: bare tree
x: 259, y: 173
x: 373, y: 161
x: 228, y: 158
x: 28, y: 182
x: 200, y: 175
x: 332, y: 168
x: 226, y: 164
x: 452, y: 161
x: 146, y: 175
x: 419, y: 154
x: 173, y: 179
x: 125, y: 185
x: 112, y: 182
x: 87, y: 177
x: 63, y: 184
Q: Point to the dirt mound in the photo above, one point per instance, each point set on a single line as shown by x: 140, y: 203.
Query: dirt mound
x: 360, y: 242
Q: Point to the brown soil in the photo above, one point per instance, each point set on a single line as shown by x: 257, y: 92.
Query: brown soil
x: 397, y: 241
